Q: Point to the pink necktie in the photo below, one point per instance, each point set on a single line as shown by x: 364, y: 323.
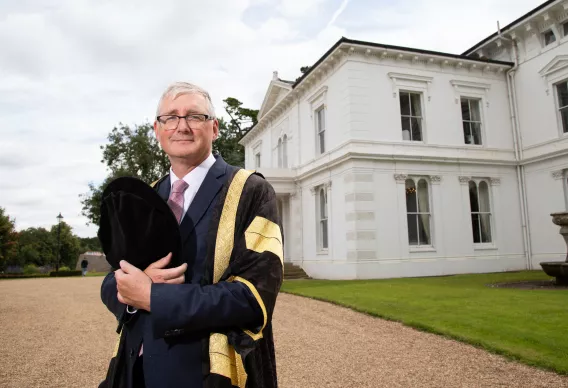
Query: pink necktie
x: 176, y: 204
x: 176, y: 198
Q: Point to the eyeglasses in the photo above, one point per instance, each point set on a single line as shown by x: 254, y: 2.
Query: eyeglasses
x: 171, y: 122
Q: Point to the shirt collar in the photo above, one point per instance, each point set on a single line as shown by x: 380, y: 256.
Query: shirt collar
x: 196, y: 176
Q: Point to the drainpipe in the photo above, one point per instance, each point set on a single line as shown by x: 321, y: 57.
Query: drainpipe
x: 517, y: 140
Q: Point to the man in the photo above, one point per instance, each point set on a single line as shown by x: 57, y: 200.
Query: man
x: 84, y: 266
x: 207, y: 322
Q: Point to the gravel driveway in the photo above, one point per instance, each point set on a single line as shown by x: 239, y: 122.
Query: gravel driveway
x: 57, y: 333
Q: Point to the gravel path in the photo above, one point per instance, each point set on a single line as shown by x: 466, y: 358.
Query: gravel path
x: 57, y: 333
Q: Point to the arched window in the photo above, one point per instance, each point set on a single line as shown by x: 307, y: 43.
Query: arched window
x: 279, y: 149
x: 285, y: 151
x: 480, y: 211
x: 418, y: 212
x: 322, y: 218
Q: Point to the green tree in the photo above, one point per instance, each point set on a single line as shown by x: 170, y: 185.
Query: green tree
x: 69, y: 245
x: 36, y: 246
x: 8, y: 239
x: 241, y: 121
x: 90, y: 244
x: 129, y: 152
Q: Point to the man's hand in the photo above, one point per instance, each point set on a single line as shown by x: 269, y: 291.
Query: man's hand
x: 133, y: 286
x: 158, y: 274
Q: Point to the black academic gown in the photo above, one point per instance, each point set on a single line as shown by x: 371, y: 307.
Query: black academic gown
x: 233, y: 307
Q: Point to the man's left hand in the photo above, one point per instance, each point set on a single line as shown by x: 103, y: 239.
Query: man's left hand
x: 133, y: 286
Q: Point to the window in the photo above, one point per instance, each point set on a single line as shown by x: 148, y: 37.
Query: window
x: 285, y: 151
x: 257, y: 160
x: 562, y: 90
x: 565, y: 28
x: 321, y: 208
x: 320, y: 129
x: 471, y: 118
x: 480, y: 212
x: 418, y: 212
x: 548, y: 37
x: 565, y: 181
x: 411, y: 116
x: 279, y: 149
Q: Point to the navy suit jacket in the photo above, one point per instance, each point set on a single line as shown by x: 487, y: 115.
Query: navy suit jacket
x: 183, y: 315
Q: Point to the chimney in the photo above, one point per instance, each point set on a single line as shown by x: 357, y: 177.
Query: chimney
x: 275, y: 76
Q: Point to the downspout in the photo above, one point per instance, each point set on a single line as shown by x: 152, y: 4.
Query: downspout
x: 300, y: 187
x: 519, y: 155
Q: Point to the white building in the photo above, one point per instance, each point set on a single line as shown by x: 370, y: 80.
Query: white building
x: 397, y: 162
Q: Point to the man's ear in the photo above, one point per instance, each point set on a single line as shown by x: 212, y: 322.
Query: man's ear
x: 215, y: 129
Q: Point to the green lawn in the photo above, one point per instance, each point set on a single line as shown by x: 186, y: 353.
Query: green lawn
x: 526, y: 325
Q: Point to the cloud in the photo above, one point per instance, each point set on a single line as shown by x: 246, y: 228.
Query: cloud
x: 71, y: 70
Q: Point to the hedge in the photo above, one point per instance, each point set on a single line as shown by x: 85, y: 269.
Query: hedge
x: 65, y: 273
x: 22, y: 275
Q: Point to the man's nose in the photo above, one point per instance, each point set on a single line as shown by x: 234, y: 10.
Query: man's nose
x: 182, y: 125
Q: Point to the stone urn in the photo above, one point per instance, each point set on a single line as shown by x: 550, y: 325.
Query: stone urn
x: 559, y: 269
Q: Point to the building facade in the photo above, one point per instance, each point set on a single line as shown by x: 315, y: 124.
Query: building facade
x: 397, y: 162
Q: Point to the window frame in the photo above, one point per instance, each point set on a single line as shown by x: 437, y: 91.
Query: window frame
x: 257, y: 159
x: 420, y: 247
x: 479, y: 100
x: 563, y: 129
x: 320, y: 133
x: 490, y: 244
x: 565, y: 187
x: 279, y: 152
x: 320, y: 220
x: 422, y: 118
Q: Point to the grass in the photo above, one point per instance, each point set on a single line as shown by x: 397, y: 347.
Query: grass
x: 97, y: 273
x: 525, y: 325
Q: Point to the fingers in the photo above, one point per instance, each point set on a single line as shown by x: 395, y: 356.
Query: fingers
x: 172, y: 273
x: 162, y: 263
x: 127, y: 267
x: 120, y: 298
x: 178, y: 280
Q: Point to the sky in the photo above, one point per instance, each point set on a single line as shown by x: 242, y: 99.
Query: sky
x: 71, y: 70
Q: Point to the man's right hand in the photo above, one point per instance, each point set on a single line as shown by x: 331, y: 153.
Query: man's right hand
x: 158, y: 274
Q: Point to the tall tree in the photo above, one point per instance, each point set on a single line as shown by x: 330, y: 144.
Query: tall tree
x: 36, y: 246
x: 129, y: 152
x: 69, y: 245
x: 8, y: 239
x: 241, y: 121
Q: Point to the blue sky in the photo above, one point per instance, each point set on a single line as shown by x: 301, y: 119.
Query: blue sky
x: 72, y: 69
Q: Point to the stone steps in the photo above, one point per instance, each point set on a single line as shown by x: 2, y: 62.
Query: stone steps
x: 293, y: 272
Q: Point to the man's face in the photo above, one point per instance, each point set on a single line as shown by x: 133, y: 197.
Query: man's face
x: 192, y: 142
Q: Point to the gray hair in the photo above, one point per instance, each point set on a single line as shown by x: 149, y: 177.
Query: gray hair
x: 180, y: 88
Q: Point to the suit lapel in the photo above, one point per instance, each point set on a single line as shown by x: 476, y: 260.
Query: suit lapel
x: 164, y: 188
x: 203, y: 198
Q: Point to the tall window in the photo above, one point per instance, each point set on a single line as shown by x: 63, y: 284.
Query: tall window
x: 471, y: 119
x: 411, y: 116
x: 279, y: 149
x: 548, y: 37
x: 565, y: 28
x: 285, y: 151
x: 321, y: 206
x: 320, y: 129
x: 562, y: 90
x: 257, y: 160
x: 480, y: 211
x: 418, y: 212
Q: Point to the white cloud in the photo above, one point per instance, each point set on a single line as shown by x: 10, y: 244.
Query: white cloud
x: 72, y: 70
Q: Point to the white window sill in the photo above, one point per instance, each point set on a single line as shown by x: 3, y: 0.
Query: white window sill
x: 473, y: 145
x: 322, y: 252
x: 484, y: 247
x: 425, y: 248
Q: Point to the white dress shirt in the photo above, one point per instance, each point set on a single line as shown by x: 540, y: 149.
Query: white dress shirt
x: 194, y: 179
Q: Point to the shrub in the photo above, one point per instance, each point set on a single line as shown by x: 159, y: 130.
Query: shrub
x: 65, y: 273
x: 30, y: 269
x: 64, y: 269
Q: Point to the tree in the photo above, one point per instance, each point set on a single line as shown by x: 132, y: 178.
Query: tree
x: 130, y: 152
x: 69, y: 245
x: 8, y: 239
x: 90, y: 244
x: 242, y: 120
x: 36, y: 246
x: 136, y: 152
